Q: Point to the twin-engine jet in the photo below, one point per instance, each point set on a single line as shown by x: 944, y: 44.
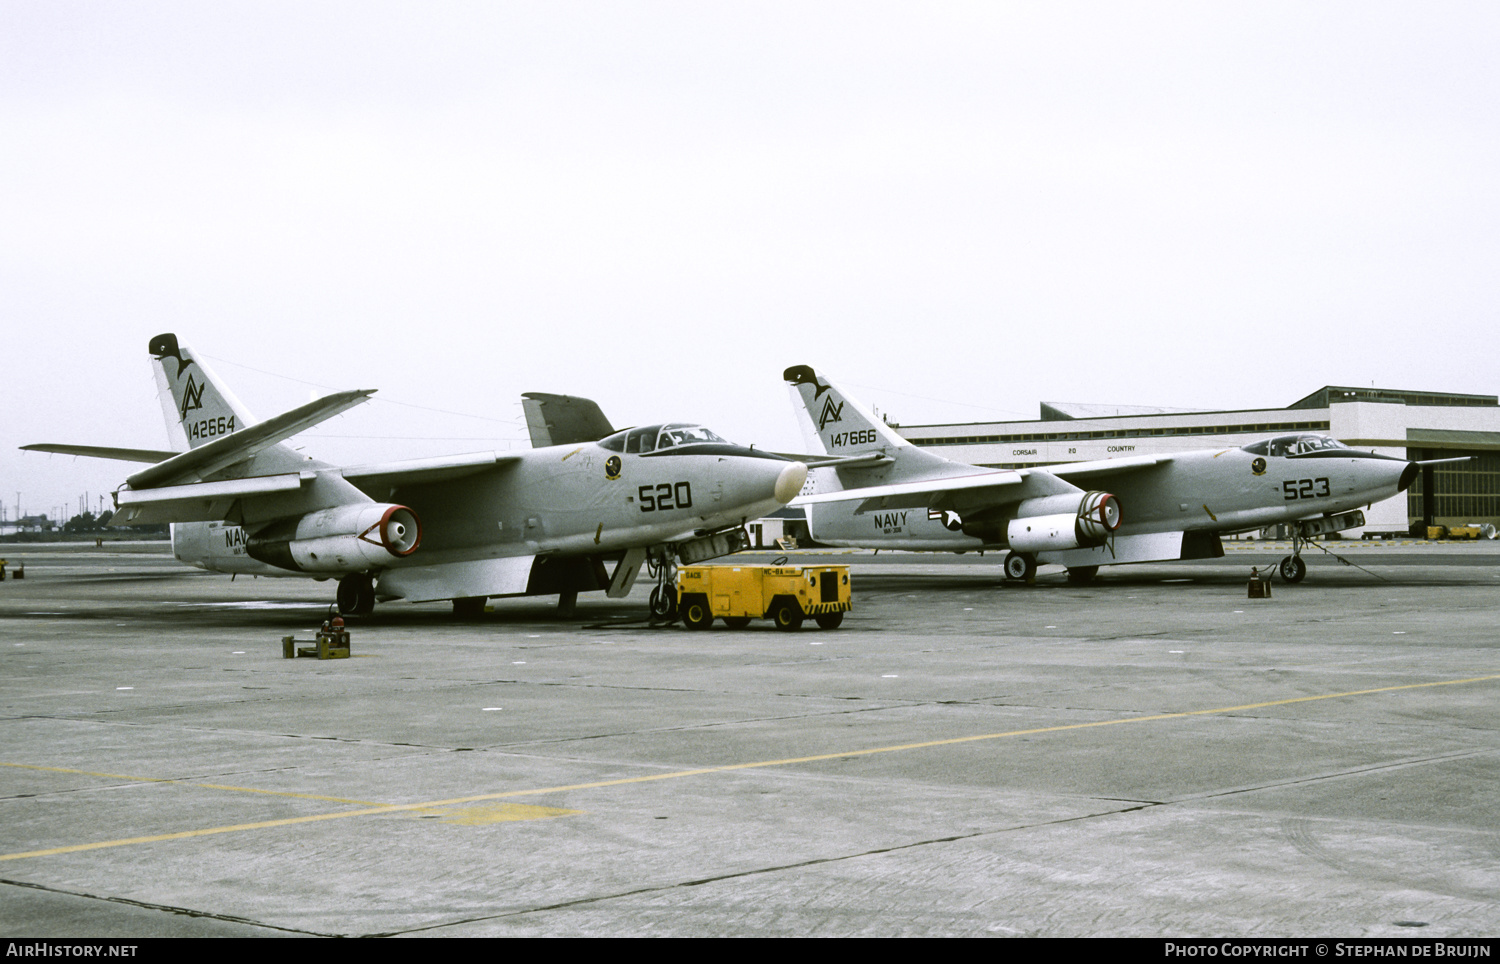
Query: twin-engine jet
x: 550, y: 520
x: 886, y: 493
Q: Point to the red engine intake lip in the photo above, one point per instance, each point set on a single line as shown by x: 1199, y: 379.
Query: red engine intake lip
x: 382, y: 528
x: 1104, y: 519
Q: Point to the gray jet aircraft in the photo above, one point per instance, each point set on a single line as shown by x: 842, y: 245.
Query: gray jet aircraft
x: 462, y: 527
x: 887, y: 493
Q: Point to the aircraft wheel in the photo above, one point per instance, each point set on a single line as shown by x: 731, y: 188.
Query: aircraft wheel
x: 664, y: 603
x: 829, y: 620
x: 356, y: 595
x: 695, y: 612
x: 736, y: 622
x: 1293, y: 569
x: 787, y: 616
x: 469, y: 607
x: 1019, y: 566
x: 1082, y: 575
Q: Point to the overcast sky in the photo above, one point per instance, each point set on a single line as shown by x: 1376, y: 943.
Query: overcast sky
x: 956, y: 210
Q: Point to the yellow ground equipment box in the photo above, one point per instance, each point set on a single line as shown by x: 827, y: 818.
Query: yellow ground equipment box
x: 783, y: 594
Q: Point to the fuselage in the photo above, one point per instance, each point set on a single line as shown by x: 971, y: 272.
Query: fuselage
x: 582, y: 499
x: 1222, y: 491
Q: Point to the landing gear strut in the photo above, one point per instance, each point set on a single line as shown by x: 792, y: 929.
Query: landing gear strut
x: 661, y: 565
x: 1292, y: 567
x: 1020, y: 566
x: 356, y: 595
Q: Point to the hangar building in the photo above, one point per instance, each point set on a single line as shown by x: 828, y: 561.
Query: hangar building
x: 1414, y: 425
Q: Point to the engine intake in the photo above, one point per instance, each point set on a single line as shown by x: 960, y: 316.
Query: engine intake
x: 1086, y: 522
x: 346, y: 538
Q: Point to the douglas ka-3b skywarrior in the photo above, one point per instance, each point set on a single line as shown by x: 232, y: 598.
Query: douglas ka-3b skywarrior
x: 462, y: 527
x: 887, y: 493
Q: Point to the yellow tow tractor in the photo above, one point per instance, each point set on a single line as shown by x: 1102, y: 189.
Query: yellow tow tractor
x: 783, y: 594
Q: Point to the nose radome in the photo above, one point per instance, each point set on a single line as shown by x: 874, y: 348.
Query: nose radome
x: 789, y: 482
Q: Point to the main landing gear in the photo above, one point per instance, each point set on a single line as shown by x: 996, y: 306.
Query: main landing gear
x: 1020, y: 566
x: 356, y: 594
x: 1082, y: 575
x: 469, y: 607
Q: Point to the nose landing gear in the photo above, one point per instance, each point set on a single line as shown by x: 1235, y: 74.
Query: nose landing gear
x: 661, y: 564
x: 1293, y: 569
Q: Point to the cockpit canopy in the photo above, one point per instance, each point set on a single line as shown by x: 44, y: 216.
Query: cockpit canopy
x: 652, y: 438
x: 1288, y: 445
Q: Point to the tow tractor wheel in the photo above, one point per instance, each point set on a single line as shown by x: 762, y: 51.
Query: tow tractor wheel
x: 787, y: 616
x: 695, y: 612
x: 1293, y: 569
x: 1019, y: 566
x: 664, y: 603
x: 829, y: 620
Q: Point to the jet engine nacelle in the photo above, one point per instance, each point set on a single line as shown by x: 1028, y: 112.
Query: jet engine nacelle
x: 1083, y: 522
x: 346, y: 538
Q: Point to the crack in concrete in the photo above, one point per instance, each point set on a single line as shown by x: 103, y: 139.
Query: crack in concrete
x: 164, y: 908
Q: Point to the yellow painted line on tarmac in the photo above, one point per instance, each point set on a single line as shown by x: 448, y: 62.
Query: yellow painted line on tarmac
x: 726, y: 768
x: 504, y: 813
x: 188, y: 783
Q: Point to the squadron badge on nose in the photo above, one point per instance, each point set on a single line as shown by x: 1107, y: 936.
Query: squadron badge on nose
x: 612, y: 467
x: 1258, y: 466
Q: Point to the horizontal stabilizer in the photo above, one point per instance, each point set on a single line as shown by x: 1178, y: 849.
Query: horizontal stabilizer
x: 932, y: 493
x: 103, y: 452
x: 198, y: 501
x: 211, y: 457
x: 835, y: 461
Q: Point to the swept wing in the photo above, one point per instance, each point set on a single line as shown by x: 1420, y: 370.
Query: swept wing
x: 1101, y: 470
x: 197, y: 464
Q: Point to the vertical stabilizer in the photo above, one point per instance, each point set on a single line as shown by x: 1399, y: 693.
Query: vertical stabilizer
x: 563, y: 419
x: 836, y: 424
x: 196, y: 405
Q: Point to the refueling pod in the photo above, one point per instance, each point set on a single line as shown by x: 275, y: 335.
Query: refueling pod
x: 346, y: 538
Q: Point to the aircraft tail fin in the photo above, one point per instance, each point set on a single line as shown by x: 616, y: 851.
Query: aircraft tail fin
x: 837, y: 424
x: 197, y: 407
x: 563, y: 419
x: 831, y: 421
